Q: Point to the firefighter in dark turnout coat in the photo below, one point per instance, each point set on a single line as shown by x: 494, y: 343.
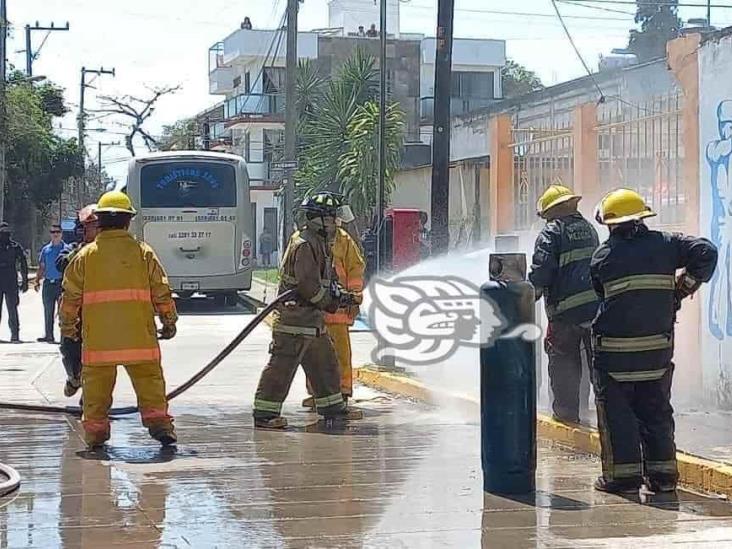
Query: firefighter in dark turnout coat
x: 634, y: 274
x: 560, y: 272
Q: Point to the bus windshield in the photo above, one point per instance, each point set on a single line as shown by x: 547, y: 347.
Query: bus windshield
x: 188, y: 185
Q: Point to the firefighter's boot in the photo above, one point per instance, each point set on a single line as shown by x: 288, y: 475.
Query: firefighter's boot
x: 616, y: 486
x: 72, y: 385
x: 347, y: 414
x: 164, y: 434
x: 277, y: 422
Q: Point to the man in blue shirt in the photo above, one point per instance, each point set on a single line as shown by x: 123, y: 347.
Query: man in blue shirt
x: 51, y: 277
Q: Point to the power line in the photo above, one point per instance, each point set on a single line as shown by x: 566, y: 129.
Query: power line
x: 514, y: 13
x: 650, y: 3
x: 579, y: 4
x: 576, y: 50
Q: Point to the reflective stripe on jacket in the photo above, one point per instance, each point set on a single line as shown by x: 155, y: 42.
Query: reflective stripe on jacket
x: 118, y: 285
x: 633, y: 273
x: 349, y: 266
x: 560, y: 268
x: 305, y: 268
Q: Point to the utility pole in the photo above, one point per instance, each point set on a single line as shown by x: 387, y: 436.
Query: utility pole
x: 290, y: 119
x: 382, y: 135
x: 441, y: 132
x: 3, y: 110
x: 82, y: 113
x: 709, y: 13
x: 29, y: 55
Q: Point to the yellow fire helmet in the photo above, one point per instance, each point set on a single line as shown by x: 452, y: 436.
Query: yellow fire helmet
x: 553, y: 196
x: 115, y: 202
x: 621, y: 206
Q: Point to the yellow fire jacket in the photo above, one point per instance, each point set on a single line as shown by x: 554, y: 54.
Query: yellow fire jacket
x: 349, y: 265
x: 117, y: 284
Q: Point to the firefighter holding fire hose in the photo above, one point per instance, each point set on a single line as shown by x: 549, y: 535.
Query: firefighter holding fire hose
x: 349, y: 266
x: 299, y: 334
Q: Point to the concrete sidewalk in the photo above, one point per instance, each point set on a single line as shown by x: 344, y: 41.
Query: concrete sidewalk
x: 408, y: 475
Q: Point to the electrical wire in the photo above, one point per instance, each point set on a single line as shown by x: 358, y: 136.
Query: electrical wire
x: 652, y: 3
x: 579, y: 55
x: 579, y: 4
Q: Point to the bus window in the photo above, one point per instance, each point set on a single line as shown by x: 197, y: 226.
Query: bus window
x: 188, y: 185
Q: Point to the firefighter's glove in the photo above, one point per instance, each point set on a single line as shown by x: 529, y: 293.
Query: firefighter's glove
x: 168, y: 331
x: 71, y: 352
x: 348, y: 299
x: 686, y: 285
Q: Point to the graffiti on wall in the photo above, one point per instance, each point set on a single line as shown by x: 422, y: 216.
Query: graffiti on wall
x: 719, y: 207
x: 719, y: 154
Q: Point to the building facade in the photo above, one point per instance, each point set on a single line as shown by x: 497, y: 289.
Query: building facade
x: 247, y: 68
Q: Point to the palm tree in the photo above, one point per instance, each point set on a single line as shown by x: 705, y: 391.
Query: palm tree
x: 339, y: 125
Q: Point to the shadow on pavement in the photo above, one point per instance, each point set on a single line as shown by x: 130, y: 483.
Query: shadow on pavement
x: 198, y: 306
x: 546, y: 500
x: 135, y: 455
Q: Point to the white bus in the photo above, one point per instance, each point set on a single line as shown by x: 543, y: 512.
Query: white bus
x: 194, y: 210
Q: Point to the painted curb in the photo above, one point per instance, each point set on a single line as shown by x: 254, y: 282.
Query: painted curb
x: 695, y: 472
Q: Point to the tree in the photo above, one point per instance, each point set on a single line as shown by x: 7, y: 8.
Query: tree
x: 179, y: 136
x: 659, y: 22
x: 518, y: 80
x: 38, y: 162
x: 338, y: 122
x: 139, y: 111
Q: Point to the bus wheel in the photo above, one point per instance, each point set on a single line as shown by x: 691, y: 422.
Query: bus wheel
x: 219, y: 300
x: 232, y: 300
x: 185, y: 295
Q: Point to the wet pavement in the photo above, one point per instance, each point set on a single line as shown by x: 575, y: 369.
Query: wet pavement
x: 405, y: 476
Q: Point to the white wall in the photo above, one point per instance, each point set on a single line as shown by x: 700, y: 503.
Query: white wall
x: 256, y: 43
x: 469, y: 55
x: 264, y: 199
x: 715, y: 108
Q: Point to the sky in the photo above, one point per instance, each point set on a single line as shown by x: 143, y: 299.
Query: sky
x: 165, y: 42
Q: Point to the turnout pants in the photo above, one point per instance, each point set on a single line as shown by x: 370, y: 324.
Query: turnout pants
x: 342, y: 345
x: 11, y: 296
x: 98, y: 385
x: 636, y: 425
x: 318, y: 359
x: 566, y: 344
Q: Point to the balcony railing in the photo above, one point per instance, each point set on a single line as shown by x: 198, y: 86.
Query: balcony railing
x: 254, y: 104
x: 458, y: 105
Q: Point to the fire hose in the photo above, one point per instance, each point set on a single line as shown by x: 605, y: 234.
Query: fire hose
x: 12, y: 476
x: 225, y: 352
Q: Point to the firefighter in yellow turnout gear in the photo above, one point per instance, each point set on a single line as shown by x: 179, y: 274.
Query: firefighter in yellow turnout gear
x: 298, y: 331
x: 118, y: 285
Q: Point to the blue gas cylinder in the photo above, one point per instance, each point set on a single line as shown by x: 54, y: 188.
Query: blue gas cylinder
x: 508, y: 394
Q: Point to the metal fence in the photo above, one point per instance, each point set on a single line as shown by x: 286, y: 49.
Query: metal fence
x: 542, y: 156
x: 640, y: 147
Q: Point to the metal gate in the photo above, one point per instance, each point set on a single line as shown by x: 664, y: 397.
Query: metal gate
x: 541, y: 157
x: 640, y: 147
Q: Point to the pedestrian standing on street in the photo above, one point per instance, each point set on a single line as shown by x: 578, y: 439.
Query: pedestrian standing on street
x: 560, y: 272
x: 85, y: 231
x: 349, y: 266
x: 12, y: 263
x: 51, y: 278
x: 118, y: 285
x: 266, y: 247
x: 634, y: 274
x: 299, y: 335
